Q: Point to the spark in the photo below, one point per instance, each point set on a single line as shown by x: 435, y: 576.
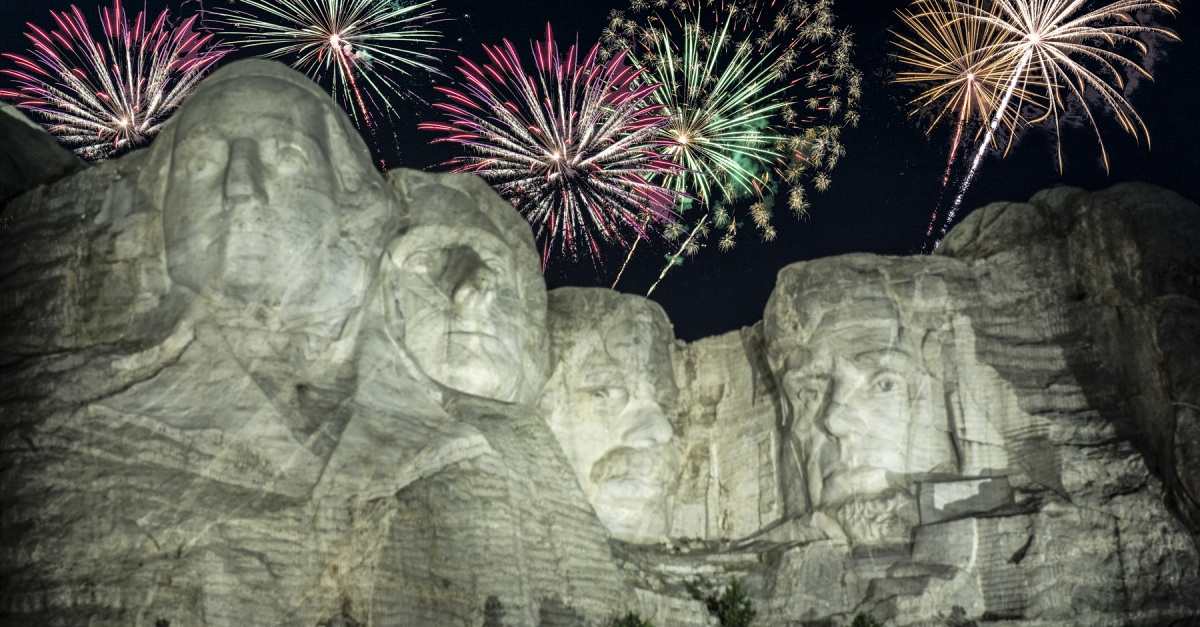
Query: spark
x: 571, y: 145
x: 102, y: 96
x: 756, y: 92
x: 358, y: 47
x: 1059, y: 50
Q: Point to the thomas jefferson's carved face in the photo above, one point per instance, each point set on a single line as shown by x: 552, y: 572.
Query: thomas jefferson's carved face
x: 463, y: 316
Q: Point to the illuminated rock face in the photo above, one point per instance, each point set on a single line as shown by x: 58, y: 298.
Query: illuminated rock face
x: 31, y: 157
x: 609, y: 404
x: 222, y: 403
x: 248, y: 380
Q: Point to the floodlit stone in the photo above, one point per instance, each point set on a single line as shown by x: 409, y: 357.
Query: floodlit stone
x: 608, y: 404
x: 30, y: 157
x: 469, y: 297
x: 250, y: 381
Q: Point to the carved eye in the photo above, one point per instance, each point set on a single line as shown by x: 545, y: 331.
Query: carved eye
x: 887, y: 383
x: 203, y: 165
x: 202, y: 156
x: 290, y: 158
x: 426, y: 262
x: 607, y: 398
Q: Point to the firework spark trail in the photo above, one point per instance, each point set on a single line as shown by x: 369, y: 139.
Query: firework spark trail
x: 359, y: 44
x: 950, y: 51
x: 572, y: 146
x: 1046, y: 37
x: 104, y: 96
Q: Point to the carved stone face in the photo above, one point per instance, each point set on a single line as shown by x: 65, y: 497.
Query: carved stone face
x: 464, y: 319
x: 253, y: 213
x: 858, y: 401
x: 611, y: 419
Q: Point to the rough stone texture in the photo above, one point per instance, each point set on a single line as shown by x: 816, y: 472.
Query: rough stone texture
x: 30, y: 156
x: 727, y: 411
x: 609, y: 402
x: 197, y: 431
x: 233, y: 396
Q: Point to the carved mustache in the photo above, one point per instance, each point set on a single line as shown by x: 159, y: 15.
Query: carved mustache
x: 652, y: 465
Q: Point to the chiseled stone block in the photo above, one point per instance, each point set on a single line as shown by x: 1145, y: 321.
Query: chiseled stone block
x: 944, y: 500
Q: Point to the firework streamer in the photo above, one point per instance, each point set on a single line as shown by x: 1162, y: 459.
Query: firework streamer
x: 572, y: 145
x: 756, y: 93
x: 357, y: 47
x: 102, y: 96
x: 1050, y: 45
x: 954, y: 56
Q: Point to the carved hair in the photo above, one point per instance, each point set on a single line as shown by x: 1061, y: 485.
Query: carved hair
x: 913, y: 291
x: 581, y: 320
x: 350, y: 158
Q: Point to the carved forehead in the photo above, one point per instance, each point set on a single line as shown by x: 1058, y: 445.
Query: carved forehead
x: 887, y: 300
x: 252, y: 105
x: 600, y: 328
x: 258, y: 71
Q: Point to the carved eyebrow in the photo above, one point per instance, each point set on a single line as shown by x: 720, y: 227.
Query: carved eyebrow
x: 892, y: 357
x: 598, y: 378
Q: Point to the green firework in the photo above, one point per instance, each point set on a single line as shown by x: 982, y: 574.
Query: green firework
x: 757, y: 92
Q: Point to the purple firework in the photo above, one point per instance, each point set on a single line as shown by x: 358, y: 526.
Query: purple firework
x: 102, y: 96
x: 572, y: 146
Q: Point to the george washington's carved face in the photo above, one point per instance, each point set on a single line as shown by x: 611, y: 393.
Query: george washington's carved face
x: 254, y: 209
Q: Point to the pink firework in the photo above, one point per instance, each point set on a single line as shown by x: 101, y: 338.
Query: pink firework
x: 101, y: 96
x: 572, y: 145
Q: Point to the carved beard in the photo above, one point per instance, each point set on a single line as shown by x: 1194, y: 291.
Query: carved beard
x: 631, y: 490
x: 885, y: 519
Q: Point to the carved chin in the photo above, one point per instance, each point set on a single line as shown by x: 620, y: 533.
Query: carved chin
x: 633, y: 511
x: 479, y: 364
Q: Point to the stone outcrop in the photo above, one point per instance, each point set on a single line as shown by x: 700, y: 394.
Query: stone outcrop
x: 250, y: 381
x: 30, y: 157
x: 204, y: 424
x: 1026, y: 369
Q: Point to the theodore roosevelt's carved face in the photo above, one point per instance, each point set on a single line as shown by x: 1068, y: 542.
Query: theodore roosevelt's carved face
x: 613, y: 395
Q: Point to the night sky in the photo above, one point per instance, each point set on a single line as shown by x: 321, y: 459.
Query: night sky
x: 883, y: 189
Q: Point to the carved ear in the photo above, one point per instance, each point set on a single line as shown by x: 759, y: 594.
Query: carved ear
x: 390, y: 279
x: 154, y: 178
x: 350, y: 156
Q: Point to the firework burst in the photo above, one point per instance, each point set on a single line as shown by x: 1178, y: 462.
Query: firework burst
x: 103, y: 96
x: 1049, y: 52
x: 756, y: 92
x: 571, y: 145
x: 356, y: 47
x: 954, y: 56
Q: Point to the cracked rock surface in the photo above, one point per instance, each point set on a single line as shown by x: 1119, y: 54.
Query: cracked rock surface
x: 247, y: 380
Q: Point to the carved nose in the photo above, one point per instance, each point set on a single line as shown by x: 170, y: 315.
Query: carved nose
x: 475, y: 291
x: 644, y: 424
x: 243, y: 175
x: 839, y: 420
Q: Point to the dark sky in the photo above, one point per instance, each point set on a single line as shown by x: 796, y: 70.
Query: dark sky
x: 883, y: 190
